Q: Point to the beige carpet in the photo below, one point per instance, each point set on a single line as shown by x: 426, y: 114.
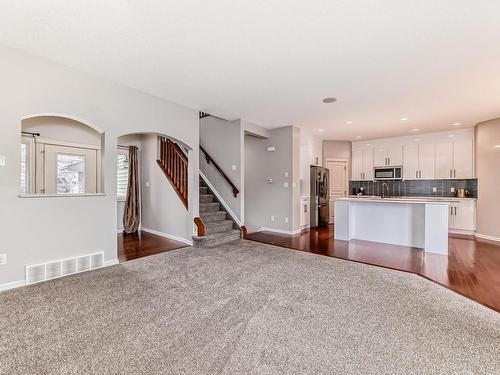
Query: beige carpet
x: 245, y: 308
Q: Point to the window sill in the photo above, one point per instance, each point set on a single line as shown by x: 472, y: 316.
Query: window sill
x: 61, y: 195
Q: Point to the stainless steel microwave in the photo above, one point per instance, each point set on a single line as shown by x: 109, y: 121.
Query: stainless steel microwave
x: 388, y: 173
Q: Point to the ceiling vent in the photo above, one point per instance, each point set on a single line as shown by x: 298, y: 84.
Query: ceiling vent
x: 62, y: 267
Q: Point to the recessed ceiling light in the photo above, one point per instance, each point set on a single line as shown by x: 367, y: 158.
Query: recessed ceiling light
x: 349, y: 122
x: 497, y: 146
x: 404, y: 118
x: 417, y: 140
x: 457, y: 124
x: 329, y: 100
x: 321, y: 130
x: 451, y: 136
x: 368, y: 145
x: 358, y: 137
x: 415, y: 130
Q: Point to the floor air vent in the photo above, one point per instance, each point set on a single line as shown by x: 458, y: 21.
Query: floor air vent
x: 57, y: 268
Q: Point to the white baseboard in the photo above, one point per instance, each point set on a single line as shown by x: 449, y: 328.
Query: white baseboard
x: 458, y: 231
x: 169, y: 236
x: 20, y: 283
x: 485, y: 237
x: 280, y: 231
x: 12, y: 285
x: 226, y: 206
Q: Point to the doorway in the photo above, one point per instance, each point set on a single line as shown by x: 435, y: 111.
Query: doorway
x: 339, y: 182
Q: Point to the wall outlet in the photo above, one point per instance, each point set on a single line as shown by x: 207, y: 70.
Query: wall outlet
x: 147, y: 184
x: 286, y: 174
x: 272, y: 218
x: 233, y: 167
x: 434, y: 189
x: 286, y: 220
x: 3, y: 259
x: 285, y: 185
x: 271, y: 149
x: 452, y: 190
x: 2, y: 160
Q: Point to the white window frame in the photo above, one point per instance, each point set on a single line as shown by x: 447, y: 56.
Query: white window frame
x: 121, y: 151
x: 29, y: 141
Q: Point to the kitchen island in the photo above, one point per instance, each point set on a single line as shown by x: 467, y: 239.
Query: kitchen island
x: 411, y: 222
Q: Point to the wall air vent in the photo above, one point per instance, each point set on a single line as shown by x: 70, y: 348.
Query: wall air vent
x: 62, y: 267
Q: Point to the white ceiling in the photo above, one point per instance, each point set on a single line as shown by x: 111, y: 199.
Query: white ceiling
x: 272, y: 62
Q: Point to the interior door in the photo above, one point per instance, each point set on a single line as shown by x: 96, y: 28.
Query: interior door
x: 70, y: 170
x: 338, y: 183
x: 410, y: 162
x: 426, y: 161
x: 462, y: 159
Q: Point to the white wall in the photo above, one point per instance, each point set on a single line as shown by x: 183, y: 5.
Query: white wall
x: 62, y: 129
x: 262, y: 199
x: 224, y: 143
x: 488, y: 179
x: 36, y: 230
x: 162, y: 210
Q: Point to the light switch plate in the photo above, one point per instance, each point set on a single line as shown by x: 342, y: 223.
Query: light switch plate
x: 285, y: 184
x: 3, y: 259
x: 271, y: 149
x: 286, y: 220
x: 233, y: 167
x: 2, y: 160
x: 286, y: 174
x: 272, y: 218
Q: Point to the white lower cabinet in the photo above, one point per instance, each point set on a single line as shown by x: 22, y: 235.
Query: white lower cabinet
x: 462, y: 216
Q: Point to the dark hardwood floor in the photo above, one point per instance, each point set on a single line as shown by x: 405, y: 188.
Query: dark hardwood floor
x: 472, y: 268
x: 141, y: 244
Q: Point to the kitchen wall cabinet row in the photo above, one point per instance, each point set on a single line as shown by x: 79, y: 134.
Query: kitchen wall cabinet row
x: 451, y: 159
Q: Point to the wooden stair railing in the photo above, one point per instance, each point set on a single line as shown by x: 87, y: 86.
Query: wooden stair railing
x: 209, y: 160
x: 174, y: 164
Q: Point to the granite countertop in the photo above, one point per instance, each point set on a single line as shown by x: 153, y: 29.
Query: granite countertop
x: 427, y: 199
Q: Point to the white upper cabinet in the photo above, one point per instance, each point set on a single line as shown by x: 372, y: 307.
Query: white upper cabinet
x: 418, y: 161
x: 444, y: 160
x: 426, y: 160
x: 410, y: 162
x: 440, y: 155
x: 362, y: 165
x: 385, y: 156
x: 454, y: 159
x: 462, y: 159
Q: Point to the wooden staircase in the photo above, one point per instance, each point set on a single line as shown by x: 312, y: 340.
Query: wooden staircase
x: 174, y: 164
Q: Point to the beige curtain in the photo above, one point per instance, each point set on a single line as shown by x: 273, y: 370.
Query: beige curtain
x: 131, y: 214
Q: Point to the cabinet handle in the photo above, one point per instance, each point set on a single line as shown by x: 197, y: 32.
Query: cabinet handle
x: 416, y: 174
x: 451, y: 173
x: 455, y: 173
x: 455, y: 211
x: 451, y: 211
x: 420, y: 174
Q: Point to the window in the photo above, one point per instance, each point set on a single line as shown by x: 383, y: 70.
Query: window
x: 122, y: 176
x: 24, y: 169
x: 70, y: 174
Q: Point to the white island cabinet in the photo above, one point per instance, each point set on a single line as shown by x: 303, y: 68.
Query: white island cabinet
x: 408, y: 222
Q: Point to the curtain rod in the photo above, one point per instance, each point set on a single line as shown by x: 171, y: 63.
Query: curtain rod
x: 126, y: 147
x: 31, y: 133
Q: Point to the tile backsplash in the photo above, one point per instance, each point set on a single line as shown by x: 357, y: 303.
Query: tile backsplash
x: 416, y: 187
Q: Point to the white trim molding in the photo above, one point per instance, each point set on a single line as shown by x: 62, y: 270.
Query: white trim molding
x: 488, y: 238
x: 280, y: 231
x: 226, y: 206
x: 169, y: 236
x: 12, y: 285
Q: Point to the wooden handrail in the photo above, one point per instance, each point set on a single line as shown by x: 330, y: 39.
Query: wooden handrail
x: 209, y: 160
x: 200, y: 226
x: 174, y: 164
x: 244, y: 232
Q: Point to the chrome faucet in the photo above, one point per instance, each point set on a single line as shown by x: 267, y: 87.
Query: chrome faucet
x: 387, y: 187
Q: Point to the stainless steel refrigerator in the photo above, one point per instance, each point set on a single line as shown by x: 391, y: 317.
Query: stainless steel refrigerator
x: 320, y: 197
